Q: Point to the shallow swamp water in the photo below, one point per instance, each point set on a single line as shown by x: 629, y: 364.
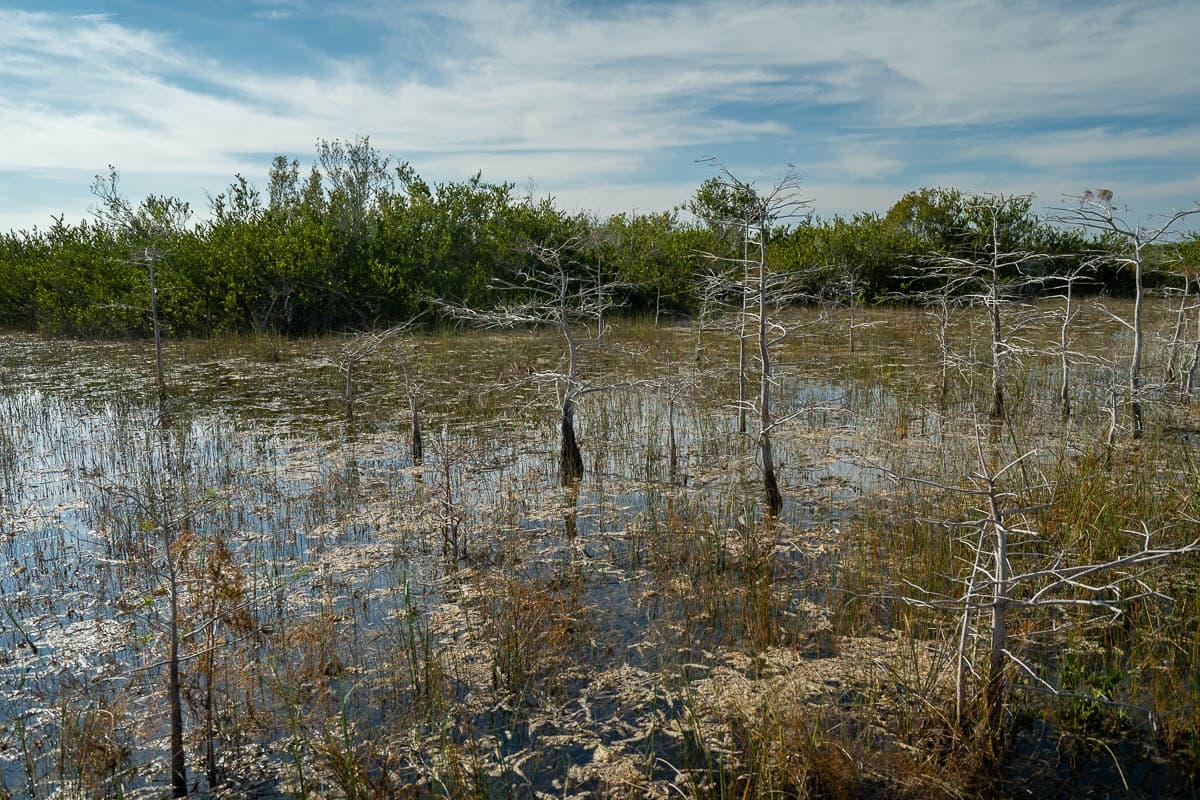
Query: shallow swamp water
x: 356, y: 624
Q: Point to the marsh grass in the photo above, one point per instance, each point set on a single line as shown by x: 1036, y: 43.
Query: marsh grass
x: 358, y: 625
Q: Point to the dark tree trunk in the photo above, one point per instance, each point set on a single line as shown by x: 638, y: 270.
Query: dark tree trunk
x: 571, y: 509
x: 570, y: 462
x: 178, y: 764
x: 418, y: 450
x: 774, y: 497
x: 210, y: 753
x: 672, y: 449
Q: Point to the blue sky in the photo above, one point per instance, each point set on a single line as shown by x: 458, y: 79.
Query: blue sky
x: 606, y: 105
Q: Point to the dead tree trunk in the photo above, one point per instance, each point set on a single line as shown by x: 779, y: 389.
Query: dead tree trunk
x: 1135, y: 360
x: 852, y: 300
x: 178, y: 763
x: 997, y: 681
x: 1172, y: 370
x: 348, y: 389
x: 1096, y: 211
x: 995, y: 307
x: 944, y: 347
x: 1189, y: 377
x: 672, y: 447
x: 418, y: 449
x: 158, y: 348
x: 1069, y: 313
x: 1064, y: 351
x: 742, y: 322
x: 570, y: 460
x: 998, y: 347
x: 774, y: 498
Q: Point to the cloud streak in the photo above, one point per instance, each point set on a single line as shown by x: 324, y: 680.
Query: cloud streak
x: 867, y: 98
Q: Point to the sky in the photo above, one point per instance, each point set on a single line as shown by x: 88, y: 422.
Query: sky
x: 607, y: 106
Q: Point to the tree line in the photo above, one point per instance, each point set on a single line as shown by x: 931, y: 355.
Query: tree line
x: 362, y: 242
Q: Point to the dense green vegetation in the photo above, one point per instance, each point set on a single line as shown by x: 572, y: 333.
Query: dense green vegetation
x: 361, y: 241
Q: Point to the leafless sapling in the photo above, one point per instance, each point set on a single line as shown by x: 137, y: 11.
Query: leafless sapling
x: 558, y: 291
x: 841, y: 286
x: 1175, y: 370
x: 1189, y: 372
x: 993, y: 277
x: 351, y: 354
x: 1009, y: 573
x: 1095, y: 211
x: 362, y: 345
x: 761, y: 290
x: 147, y: 230
x: 1067, y: 314
x: 939, y: 302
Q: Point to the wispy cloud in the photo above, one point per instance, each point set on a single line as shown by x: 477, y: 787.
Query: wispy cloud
x: 866, y: 97
x: 1105, y: 145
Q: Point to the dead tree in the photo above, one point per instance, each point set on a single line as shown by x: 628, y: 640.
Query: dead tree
x: 708, y: 300
x: 1067, y: 314
x: 558, y: 291
x: 1175, y: 367
x: 849, y: 287
x: 761, y: 291
x: 361, y: 346
x: 841, y: 286
x: 674, y: 387
x: 939, y: 301
x: 1095, y: 211
x: 354, y: 352
x: 1189, y: 373
x: 417, y: 448
x: 992, y: 278
x: 147, y: 230
x: 1006, y: 575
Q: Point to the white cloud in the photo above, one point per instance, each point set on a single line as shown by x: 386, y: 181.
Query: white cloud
x: 1102, y: 145
x: 863, y: 160
x: 866, y: 93
x: 543, y: 168
x: 846, y: 199
x: 613, y: 198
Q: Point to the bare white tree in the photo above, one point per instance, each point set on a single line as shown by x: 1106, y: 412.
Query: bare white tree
x: 147, y: 231
x: 1067, y: 314
x: 1007, y: 575
x: 940, y: 300
x: 760, y: 291
x: 362, y: 345
x: 558, y: 291
x: 992, y: 279
x: 1176, y: 365
x: 1095, y: 211
x: 1189, y: 372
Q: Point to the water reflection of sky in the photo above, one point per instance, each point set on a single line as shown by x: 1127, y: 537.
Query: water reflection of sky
x: 255, y: 448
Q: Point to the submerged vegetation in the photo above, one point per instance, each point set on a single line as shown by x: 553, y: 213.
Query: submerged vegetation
x: 354, y: 623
